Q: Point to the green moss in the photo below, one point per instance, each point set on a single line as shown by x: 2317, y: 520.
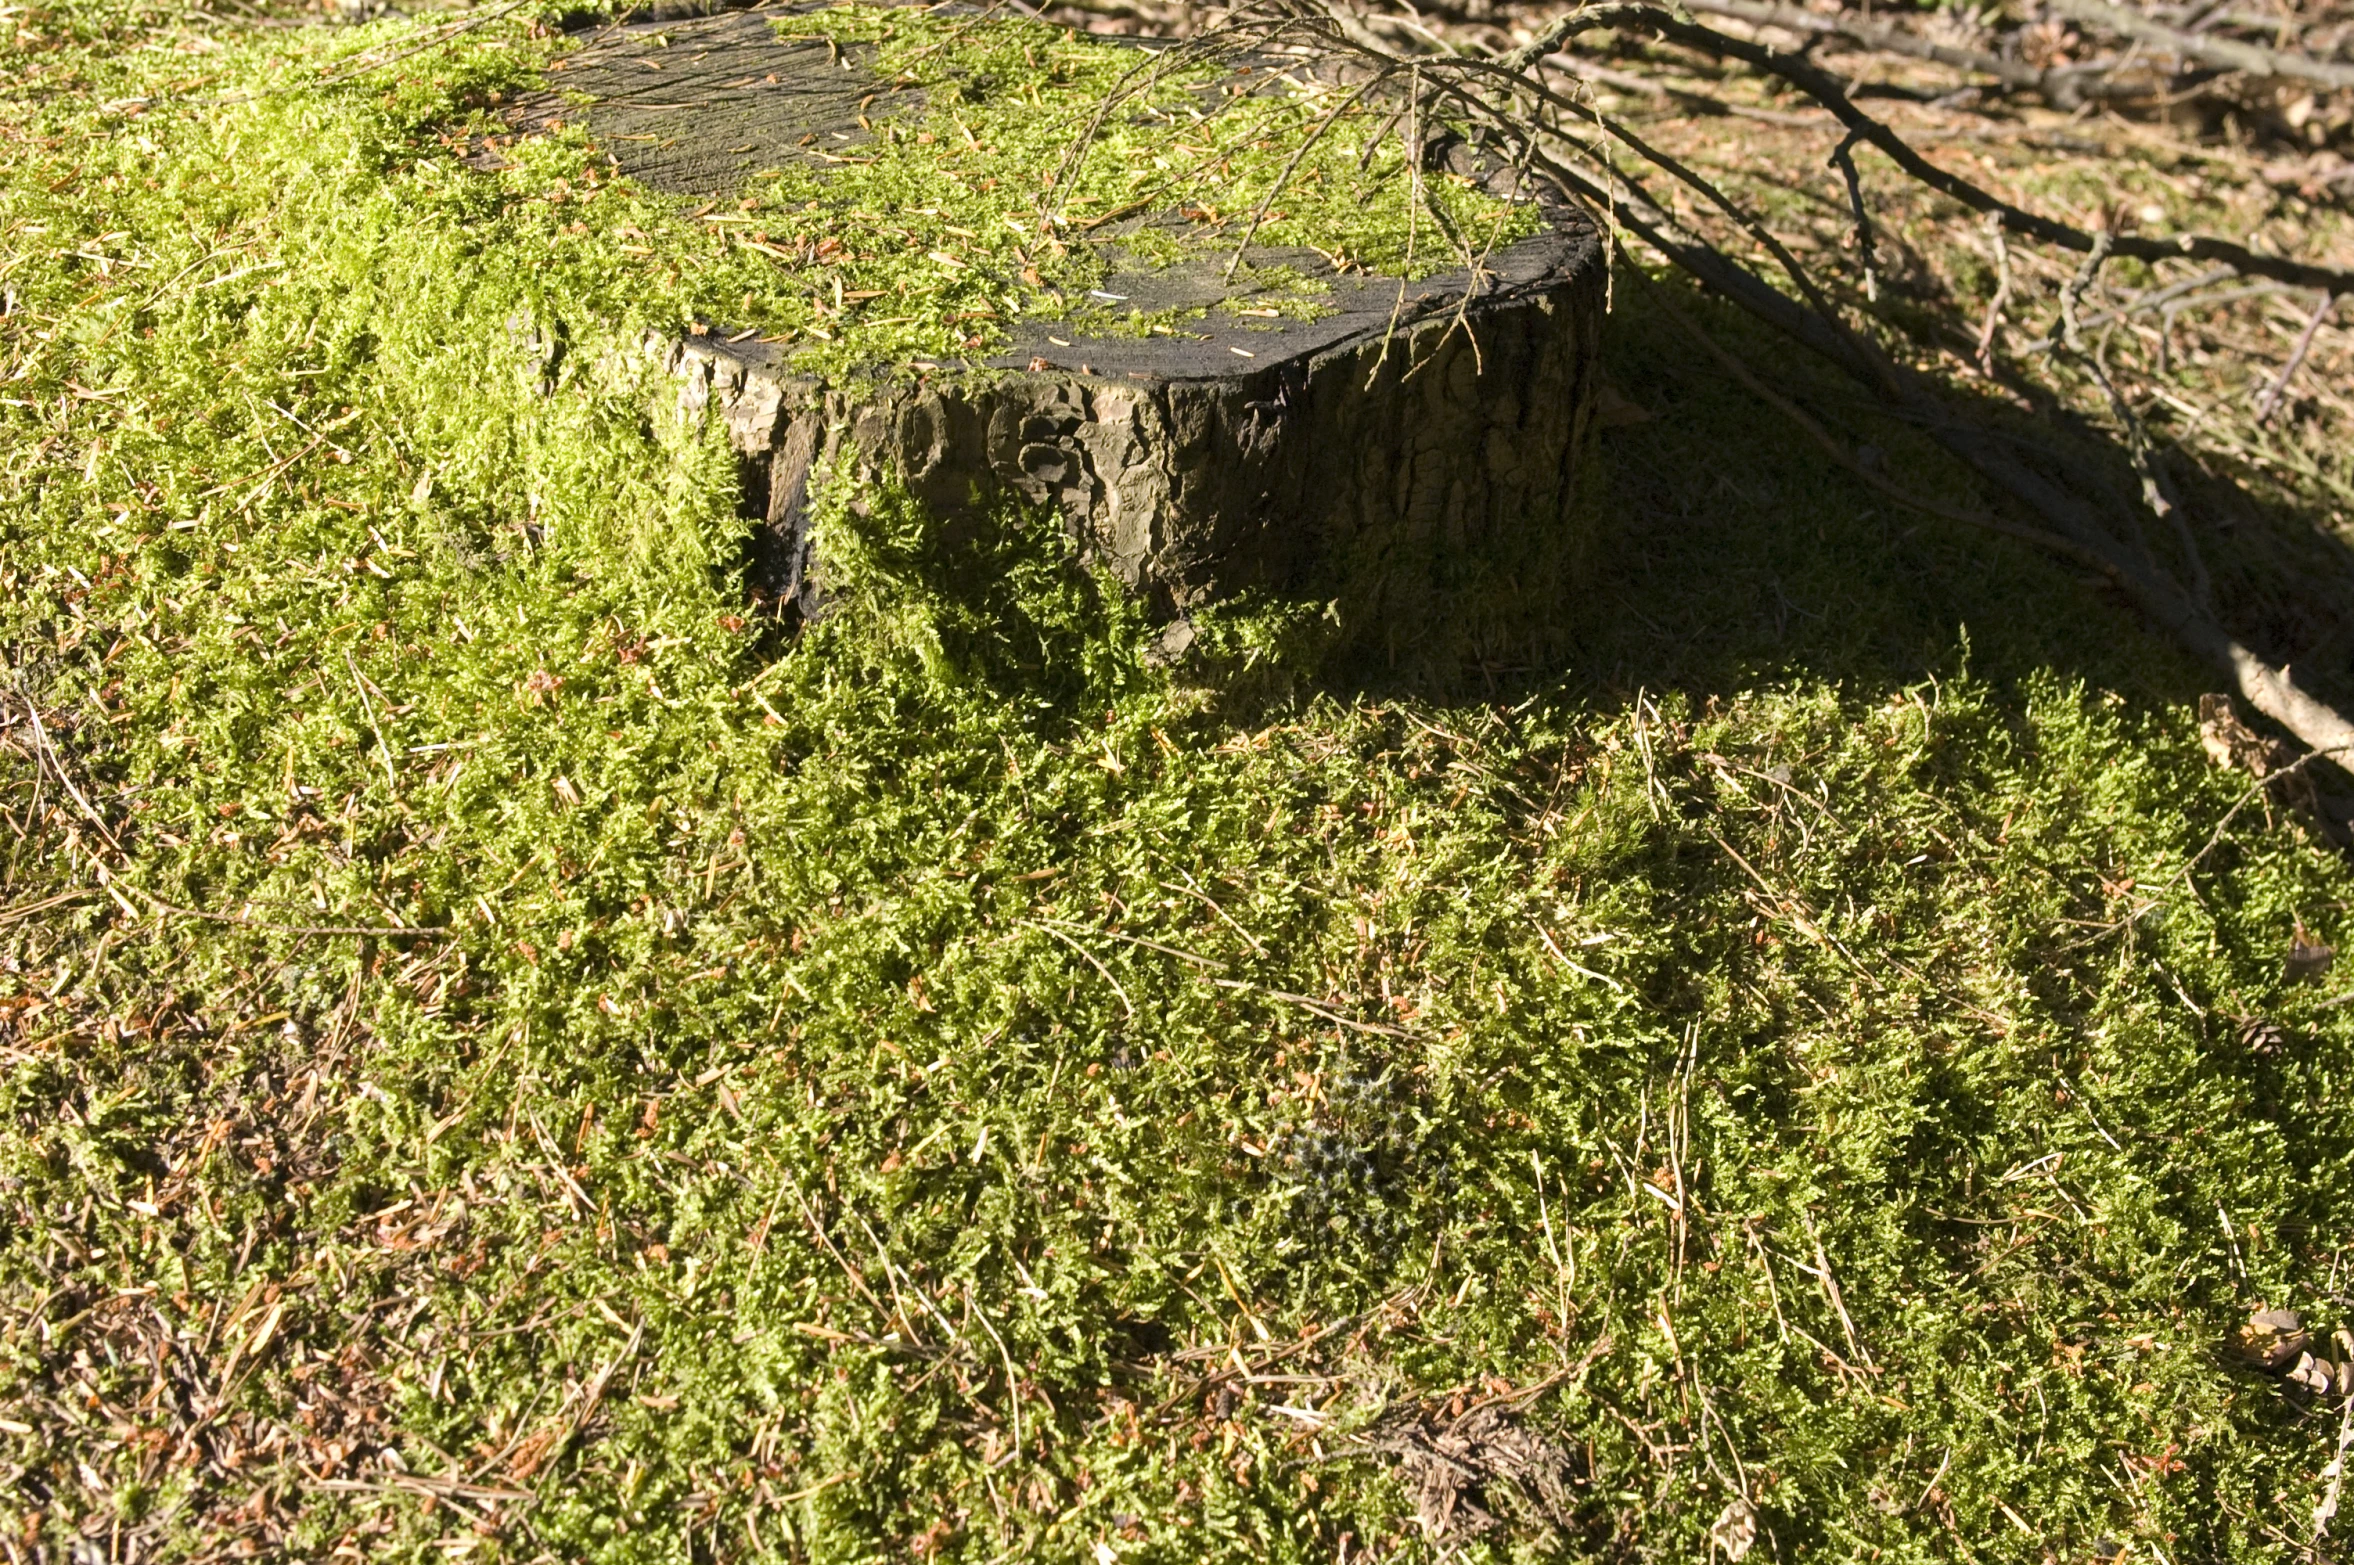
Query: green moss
x: 895, y: 1070
x: 976, y: 221
x: 923, y: 241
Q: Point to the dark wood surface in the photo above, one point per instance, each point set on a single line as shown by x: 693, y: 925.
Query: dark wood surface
x: 697, y: 105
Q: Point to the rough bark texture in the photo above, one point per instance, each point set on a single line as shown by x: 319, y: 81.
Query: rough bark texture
x: 1364, y: 459
x: 1415, y: 440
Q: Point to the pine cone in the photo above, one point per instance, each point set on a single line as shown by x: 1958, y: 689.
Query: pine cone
x: 2264, y: 1039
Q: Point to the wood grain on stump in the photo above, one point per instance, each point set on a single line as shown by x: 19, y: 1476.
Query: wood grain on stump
x: 1410, y: 428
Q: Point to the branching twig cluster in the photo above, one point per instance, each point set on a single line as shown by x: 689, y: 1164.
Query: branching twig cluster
x: 1505, y: 102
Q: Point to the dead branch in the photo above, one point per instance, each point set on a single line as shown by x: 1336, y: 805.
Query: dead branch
x: 1828, y: 91
x: 2224, y: 53
x: 1509, y: 109
x: 2063, y: 86
x: 2072, y: 526
x: 2296, y: 361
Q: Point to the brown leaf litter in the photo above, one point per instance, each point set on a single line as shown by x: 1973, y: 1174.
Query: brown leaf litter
x: 1480, y: 1471
x: 2309, y: 960
x: 2230, y: 742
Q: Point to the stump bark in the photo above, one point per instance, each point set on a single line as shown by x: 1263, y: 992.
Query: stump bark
x: 1417, y: 439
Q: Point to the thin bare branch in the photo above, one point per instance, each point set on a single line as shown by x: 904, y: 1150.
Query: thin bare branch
x: 1828, y: 91
x: 2002, y: 297
x: 1843, y: 159
x: 2288, y: 372
x: 2064, y: 86
x: 2223, y: 53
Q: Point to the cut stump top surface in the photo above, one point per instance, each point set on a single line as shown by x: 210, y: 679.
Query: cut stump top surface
x: 1294, y: 423
x: 698, y: 106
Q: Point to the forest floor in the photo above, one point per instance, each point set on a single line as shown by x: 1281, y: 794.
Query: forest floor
x: 504, y: 1057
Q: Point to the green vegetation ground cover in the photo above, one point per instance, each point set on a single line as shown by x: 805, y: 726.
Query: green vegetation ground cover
x: 857, y: 1096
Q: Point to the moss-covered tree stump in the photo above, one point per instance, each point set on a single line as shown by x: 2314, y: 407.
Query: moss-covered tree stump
x: 1333, y: 414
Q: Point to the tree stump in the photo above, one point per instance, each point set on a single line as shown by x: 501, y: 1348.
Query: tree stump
x: 1415, y: 438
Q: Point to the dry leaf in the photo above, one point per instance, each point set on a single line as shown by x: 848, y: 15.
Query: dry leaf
x: 1482, y: 1470
x: 1735, y: 1528
x: 1614, y: 409
x: 2048, y: 43
x: 2273, y: 1339
x: 2232, y: 743
x: 2308, y: 960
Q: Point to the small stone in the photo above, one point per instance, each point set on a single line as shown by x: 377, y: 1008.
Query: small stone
x: 1171, y: 645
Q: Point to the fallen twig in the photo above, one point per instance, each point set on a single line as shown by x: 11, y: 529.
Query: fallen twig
x: 422, y: 1484
x: 2268, y: 783
x: 1843, y: 159
x: 1089, y: 957
x: 2002, y: 296
x: 2224, y: 53
x: 1828, y: 91
x: 594, y: 1395
x: 2064, y: 86
x: 2288, y: 372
